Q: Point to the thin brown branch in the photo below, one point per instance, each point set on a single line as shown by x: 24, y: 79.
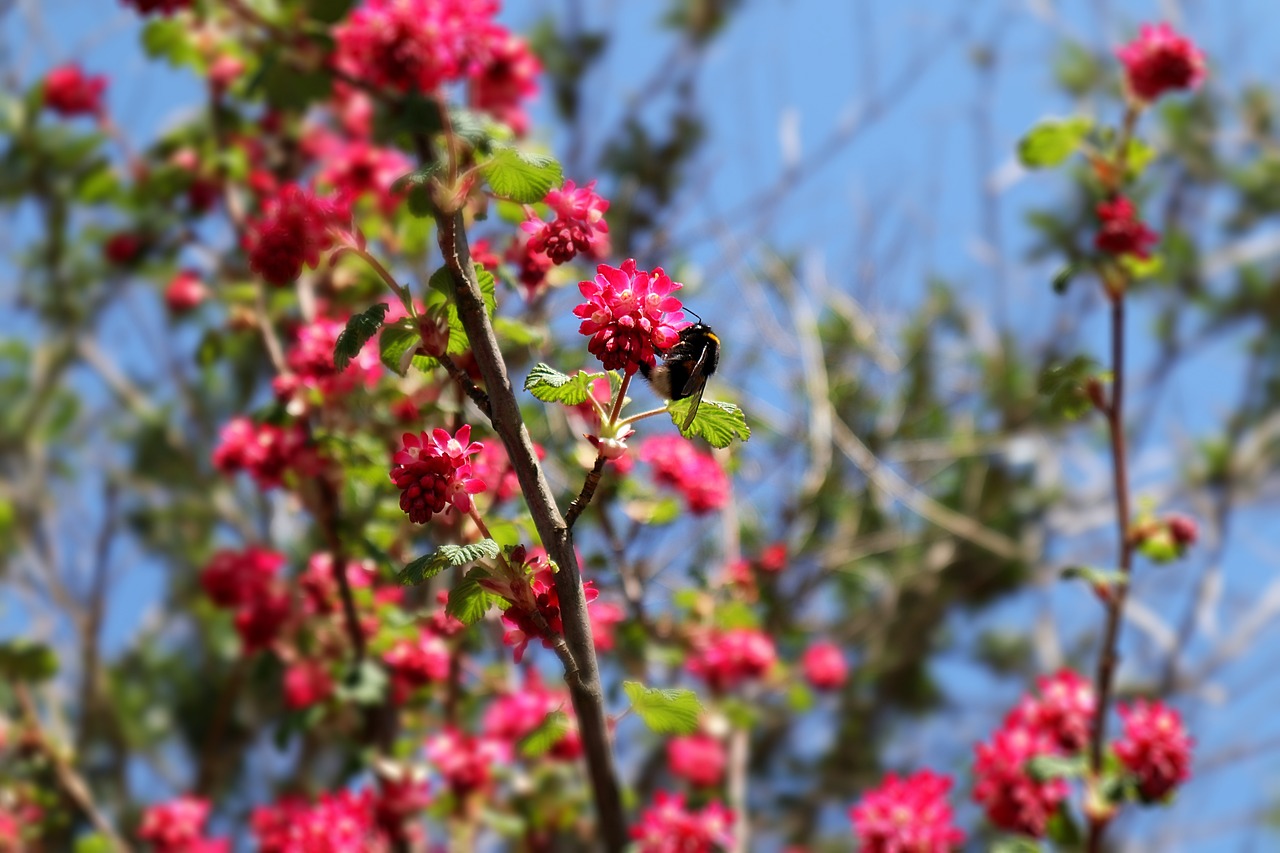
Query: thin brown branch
x: 71, y: 783
x: 477, y: 395
x: 588, y: 492
x: 584, y: 686
x: 1108, y: 656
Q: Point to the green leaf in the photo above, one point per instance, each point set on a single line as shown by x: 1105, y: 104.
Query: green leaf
x: 719, y: 423
x: 549, y: 732
x: 359, y: 331
x: 365, y: 684
x: 469, y: 601
x: 1044, y: 768
x: 664, y: 711
x: 1066, y: 386
x: 1063, y: 830
x: 488, y: 289
x: 1014, y: 844
x: 520, y: 176
x: 23, y: 660
x: 1138, y: 155
x: 169, y: 39
x: 516, y: 332
x: 1095, y: 577
x: 329, y: 11
x: 1051, y: 142
x: 93, y: 844
x: 1062, y: 278
x: 446, y: 557
x: 396, y: 347
x: 1140, y: 268
x: 551, y: 386
x: 287, y: 88
x: 417, y: 178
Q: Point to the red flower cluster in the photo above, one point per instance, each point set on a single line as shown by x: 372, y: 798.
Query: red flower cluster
x: 693, y: 473
x: 185, y: 292
x: 669, y: 827
x: 1155, y: 748
x: 433, y: 472
x: 265, y: 451
x: 513, y: 716
x: 335, y: 823
x: 178, y: 827
x: 824, y: 666
x: 630, y: 315
x: 508, y: 76
x: 164, y: 7
x: 466, y: 762
x: 699, y: 758
x: 235, y: 578
x: 1159, y: 60
x: 293, y: 228
x: 534, y: 593
x: 579, y: 226
x: 310, y: 362
x: 1064, y: 709
x: 307, y: 683
x: 1012, y: 799
x: 357, y: 168
x: 726, y: 659
x: 68, y: 91
x: 416, y: 663
x: 124, y: 248
x: 419, y: 45
x: 906, y: 815
x: 1121, y: 232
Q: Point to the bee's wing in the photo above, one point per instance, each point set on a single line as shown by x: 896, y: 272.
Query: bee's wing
x: 696, y: 378
x: 695, y: 400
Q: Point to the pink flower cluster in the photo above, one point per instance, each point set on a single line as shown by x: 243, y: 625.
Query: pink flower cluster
x: 668, y: 826
x: 579, y: 226
x: 293, y: 228
x: 466, y: 762
x: 1155, y: 748
x: 1054, y: 723
x: 416, y: 663
x: 907, y: 815
x: 419, y: 45
x: 68, y: 91
x: 433, y: 472
x: 265, y: 451
x: 693, y: 473
x: 725, y: 659
x: 531, y: 595
x: 630, y: 315
x: 342, y: 822
x: 185, y: 292
x: 824, y: 666
x: 1121, y: 232
x: 512, y: 716
x: 357, y: 169
x: 311, y: 367
x: 236, y: 578
x: 1159, y: 60
x: 307, y: 683
x: 699, y: 758
x: 178, y: 827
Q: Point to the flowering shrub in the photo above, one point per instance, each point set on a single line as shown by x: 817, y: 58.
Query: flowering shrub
x: 365, y: 255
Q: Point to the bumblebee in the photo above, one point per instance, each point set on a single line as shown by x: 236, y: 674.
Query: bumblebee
x: 685, y: 367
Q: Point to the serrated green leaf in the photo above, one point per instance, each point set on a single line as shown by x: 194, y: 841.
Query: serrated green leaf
x: 716, y: 422
x: 446, y: 557
x: 359, y: 331
x: 1044, y: 768
x: 521, y: 177
x: 396, y: 347
x: 1051, y: 142
x: 488, y: 289
x: 664, y: 711
x: 549, y: 732
x: 419, y: 177
x: 23, y: 660
x: 469, y: 601
x: 551, y: 386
